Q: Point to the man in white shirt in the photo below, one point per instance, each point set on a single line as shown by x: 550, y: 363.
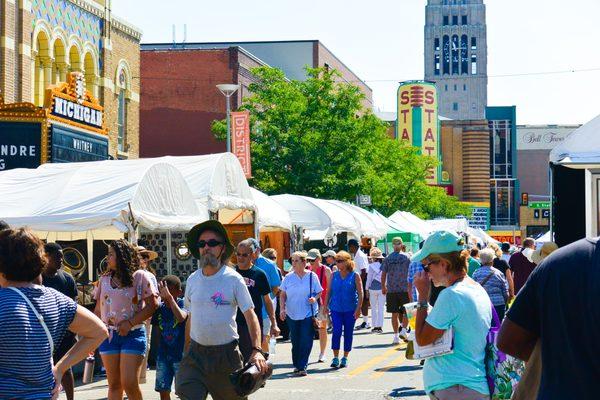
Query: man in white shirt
x: 213, y: 295
x: 362, y: 265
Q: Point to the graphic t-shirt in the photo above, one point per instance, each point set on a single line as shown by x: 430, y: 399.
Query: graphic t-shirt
x: 172, y: 333
x: 212, y: 302
x: 396, y: 268
x: 270, y: 269
x: 258, y: 286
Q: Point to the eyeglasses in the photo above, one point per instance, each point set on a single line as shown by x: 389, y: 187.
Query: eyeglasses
x: 273, y: 258
x: 297, y: 260
x: 210, y: 243
x: 426, y: 266
x: 242, y: 254
x: 339, y: 260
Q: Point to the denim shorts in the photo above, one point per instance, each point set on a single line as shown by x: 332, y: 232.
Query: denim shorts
x: 133, y: 343
x: 165, y: 373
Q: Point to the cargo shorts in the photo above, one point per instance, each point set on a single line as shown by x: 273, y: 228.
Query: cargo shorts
x: 205, y: 370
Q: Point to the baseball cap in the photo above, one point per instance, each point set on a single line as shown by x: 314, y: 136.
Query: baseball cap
x: 440, y: 242
x: 397, y: 240
x: 313, y: 254
x: 353, y: 242
x: 329, y: 253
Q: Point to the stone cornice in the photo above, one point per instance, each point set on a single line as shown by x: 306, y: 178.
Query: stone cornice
x: 126, y: 28
x: 90, y: 6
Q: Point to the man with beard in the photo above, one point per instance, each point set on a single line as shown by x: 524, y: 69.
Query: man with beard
x: 213, y: 295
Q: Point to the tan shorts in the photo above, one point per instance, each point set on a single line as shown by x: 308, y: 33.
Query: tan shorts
x: 206, y: 369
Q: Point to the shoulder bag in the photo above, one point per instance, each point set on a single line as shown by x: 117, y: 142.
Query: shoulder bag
x: 315, y: 321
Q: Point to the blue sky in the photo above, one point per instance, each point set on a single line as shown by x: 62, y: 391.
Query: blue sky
x: 382, y: 42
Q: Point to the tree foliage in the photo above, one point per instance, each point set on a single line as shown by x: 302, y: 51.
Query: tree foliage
x: 314, y: 138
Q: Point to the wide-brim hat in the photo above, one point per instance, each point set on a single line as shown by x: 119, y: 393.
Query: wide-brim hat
x: 151, y: 254
x: 376, y: 253
x: 210, y: 225
x: 547, y: 248
x: 440, y: 242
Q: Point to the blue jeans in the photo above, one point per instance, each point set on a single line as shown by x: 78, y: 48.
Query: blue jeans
x: 165, y: 373
x: 301, y: 335
x: 346, y: 320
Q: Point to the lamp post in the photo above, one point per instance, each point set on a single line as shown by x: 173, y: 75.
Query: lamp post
x: 228, y: 89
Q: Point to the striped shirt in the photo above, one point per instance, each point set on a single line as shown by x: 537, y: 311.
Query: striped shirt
x: 25, y: 368
x: 496, y: 286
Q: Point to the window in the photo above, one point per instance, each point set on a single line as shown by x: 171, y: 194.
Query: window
x: 473, y: 43
x: 455, y: 55
x: 465, y: 87
x: 122, y: 122
x: 436, y: 44
x: 446, y: 55
x: 445, y: 88
x: 436, y: 64
x: 464, y: 20
x: 445, y: 20
x: 326, y: 66
x: 464, y: 56
x: 455, y: 20
x: 473, y: 64
x: 455, y: 106
x: 455, y: 87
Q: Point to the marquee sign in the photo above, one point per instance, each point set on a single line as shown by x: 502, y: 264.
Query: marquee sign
x: 70, y: 145
x: 72, y: 104
x: 20, y: 145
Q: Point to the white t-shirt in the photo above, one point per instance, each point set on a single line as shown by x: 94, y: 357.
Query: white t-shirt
x: 361, y: 261
x: 213, y: 302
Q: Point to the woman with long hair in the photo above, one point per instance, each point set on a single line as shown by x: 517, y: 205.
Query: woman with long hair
x: 463, y: 306
x: 125, y: 298
x: 300, y: 291
x: 344, y: 299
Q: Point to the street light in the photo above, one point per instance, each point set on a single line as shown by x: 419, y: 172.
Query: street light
x: 228, y: 89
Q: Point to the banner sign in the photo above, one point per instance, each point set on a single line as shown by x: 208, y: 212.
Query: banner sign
x: 240, y: 146
x: 539, y: 204
x: 417, y: 121
x: 507, y: 236
x: 20, y: 145
x: 69, y: 145
x: 542, y: 137
x: 480, y: 218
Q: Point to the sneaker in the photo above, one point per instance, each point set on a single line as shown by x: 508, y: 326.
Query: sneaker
x: 368, y: 326
x: 375, y: 330
x: 329, y: 330
x: 296, y: 370
x: 396, y: 340
x: 404, y: 334
x: 335, y: 363
x: 379, y: 330
x: 322, y: 358
x: 302, y: 372
x: 361, y: 326
x: 344, y: 362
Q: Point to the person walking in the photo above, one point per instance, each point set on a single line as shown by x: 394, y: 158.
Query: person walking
x: 463, y: 306
x: 300, y: 292
x: 505, y: 247
x: 474, y: 262
x: 502, y: 265
x: 171, y: 320
x: 394, y: 285
x: 329, y: 257
x: 344, y: 296
x: 324, y: 274
x: 125, y: 298
x: 374, y: 287
x: 540, y: 254
x: 493, y: 281
x: 361, y: 263
x: 258, y: 286
x: 34, y: 320
x: 213, y: 294
x: 558, y: 307
x: 521, y: 264
x: 56, y: 278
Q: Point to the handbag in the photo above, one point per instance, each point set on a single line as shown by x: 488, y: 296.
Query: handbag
x: 249, y: 379
x: 503, y: 372
x: 315, y: 321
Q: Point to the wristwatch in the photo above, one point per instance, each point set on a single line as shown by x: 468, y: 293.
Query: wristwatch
x: 259, y: 350
x: 423, y: 305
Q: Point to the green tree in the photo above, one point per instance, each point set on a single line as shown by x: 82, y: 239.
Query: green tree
x: 314, y: 138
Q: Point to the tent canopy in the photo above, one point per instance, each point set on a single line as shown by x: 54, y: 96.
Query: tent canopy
x: 453, y: 224
x: 81, y: 197
x: 407, y: 222
x: 270, y: 214
x: 581, y: 149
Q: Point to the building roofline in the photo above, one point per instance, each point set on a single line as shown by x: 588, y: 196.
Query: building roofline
x: 344, y: 64
x: 182, y: 48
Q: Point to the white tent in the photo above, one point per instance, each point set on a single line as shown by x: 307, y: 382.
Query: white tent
x: 452, y: 224
x: 408, y: 222
x: 370, y: 225
x: 581, y: 149
x: 270, y: 215
x: 98, y: 196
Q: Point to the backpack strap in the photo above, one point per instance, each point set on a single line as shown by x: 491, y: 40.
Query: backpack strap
x: 39, y: 317
x: 487, y: 278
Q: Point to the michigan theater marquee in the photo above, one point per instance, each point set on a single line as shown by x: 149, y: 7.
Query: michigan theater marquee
x: 69, y: 127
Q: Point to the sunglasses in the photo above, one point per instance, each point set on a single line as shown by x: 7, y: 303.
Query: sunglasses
x: 210, y: 243
x: 272, y: 258
x: 426, y: 266
x: 145, y: 256
x: 339, y: 261
x: 242, y: 254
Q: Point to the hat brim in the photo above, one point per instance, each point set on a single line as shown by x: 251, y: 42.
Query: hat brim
x: 537, y: 257
x: 152, y: 255
x: 419, y: 256
x: 210, y: 225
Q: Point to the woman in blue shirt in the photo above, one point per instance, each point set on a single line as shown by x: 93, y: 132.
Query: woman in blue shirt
x: 344, y: 297
x: 300, y: 291
x: 463, y: 306
x: 26, y: 370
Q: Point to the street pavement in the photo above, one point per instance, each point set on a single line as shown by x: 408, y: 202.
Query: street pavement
x: 376, y: 370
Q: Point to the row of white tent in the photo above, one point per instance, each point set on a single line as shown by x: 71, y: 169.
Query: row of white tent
x: 104, y: 199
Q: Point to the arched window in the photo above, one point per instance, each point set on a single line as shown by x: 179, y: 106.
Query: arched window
x: 42, y: 69
x: 455, y: 46
x: 446, y: 55
x: 464, y: 55
x: 60, y: 61
x: 89, y: 65
x: 122, y: 112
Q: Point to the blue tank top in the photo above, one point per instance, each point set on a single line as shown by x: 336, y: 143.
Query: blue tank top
x: 344, y: 296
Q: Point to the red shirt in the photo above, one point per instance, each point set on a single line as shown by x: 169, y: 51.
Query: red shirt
x: 322, y: 275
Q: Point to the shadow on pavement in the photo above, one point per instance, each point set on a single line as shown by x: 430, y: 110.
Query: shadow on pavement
x: 405, y: 392
x: 374, y: 346
x: 402, y: 368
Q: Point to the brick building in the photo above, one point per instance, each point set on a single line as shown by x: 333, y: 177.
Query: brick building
x: 43, y: 41
x: 180, y: 98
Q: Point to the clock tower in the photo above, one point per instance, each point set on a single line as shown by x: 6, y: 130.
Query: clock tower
x: 456, y: 56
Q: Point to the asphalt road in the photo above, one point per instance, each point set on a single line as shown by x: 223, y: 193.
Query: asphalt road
x: 376, y: 370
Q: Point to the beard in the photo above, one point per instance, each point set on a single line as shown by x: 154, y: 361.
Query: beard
x: 208, y: 260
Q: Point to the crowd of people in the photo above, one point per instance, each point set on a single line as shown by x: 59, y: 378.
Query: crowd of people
x: 227, y: 314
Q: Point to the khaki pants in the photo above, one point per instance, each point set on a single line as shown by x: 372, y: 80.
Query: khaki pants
x: 206, y: 369
x: 457, y: 392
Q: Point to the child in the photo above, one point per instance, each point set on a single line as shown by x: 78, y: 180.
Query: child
x: 170, y: 318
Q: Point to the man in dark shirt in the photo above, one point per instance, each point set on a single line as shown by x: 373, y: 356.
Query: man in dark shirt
x: 55, y: 278
x: 259, y: 288
x: 521, y: 265
x: 559, y: 306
